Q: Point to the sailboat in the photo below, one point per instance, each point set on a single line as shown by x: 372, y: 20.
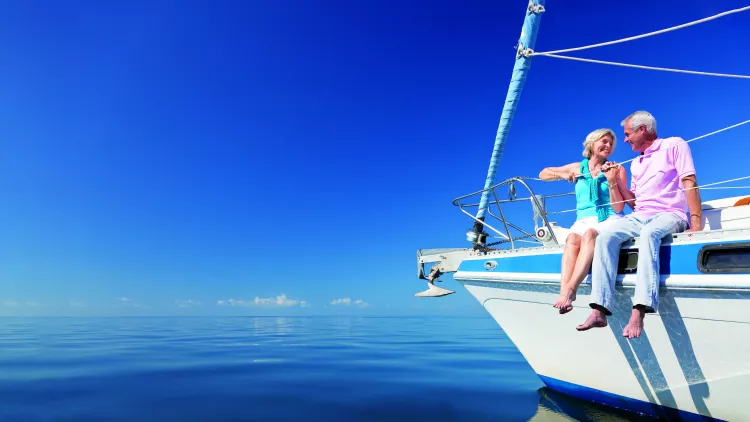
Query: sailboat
x: 692, y: 362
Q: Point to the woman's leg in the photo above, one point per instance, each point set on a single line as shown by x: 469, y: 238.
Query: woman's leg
x: 569, y: 256
x: 581, y: 268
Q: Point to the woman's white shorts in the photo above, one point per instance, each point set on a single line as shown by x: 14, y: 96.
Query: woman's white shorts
x: 580, y: 226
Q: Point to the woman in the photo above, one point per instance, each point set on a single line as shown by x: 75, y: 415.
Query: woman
x: 592, y: 187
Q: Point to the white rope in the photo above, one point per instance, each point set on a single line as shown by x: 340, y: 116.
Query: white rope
x: 689, y: 141
x: 729, y: 187
x: 674, y: 28
x: 655, y: 196
x: 674, y: 146
x: 637, y: 66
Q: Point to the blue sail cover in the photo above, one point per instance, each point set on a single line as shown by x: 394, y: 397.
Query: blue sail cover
x: 520, y: 69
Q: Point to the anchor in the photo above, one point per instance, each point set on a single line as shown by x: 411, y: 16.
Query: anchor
x: 432, y: 289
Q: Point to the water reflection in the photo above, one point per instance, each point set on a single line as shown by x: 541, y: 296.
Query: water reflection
x: 555, y: 407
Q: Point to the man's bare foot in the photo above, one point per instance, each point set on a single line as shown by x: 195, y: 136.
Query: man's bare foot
x: 597, y: 319
x: 635, y: 325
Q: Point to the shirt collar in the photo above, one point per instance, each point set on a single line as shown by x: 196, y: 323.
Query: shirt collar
x: 654, y: 146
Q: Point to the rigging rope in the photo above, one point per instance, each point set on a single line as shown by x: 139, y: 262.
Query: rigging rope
x: 728, y: 187
x: 554, y: 54
x: 637, y: 66
x: 689, y: 141
x: 674, y: 28
x: 656, y: 196
x: 667, y: 149
x: 675, y: 146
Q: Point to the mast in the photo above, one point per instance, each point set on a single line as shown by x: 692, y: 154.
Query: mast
x: 520, y: 70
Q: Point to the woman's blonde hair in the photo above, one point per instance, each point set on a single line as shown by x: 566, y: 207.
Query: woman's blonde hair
x: 595, y: 136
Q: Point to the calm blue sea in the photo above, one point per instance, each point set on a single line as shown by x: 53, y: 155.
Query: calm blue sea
x: 272, y: 369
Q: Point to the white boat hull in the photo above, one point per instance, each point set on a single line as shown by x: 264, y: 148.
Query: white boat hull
x: 693, y: 359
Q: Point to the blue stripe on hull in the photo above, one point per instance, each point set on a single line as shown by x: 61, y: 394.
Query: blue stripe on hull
x: 673, y: 259
x: 622, y: 402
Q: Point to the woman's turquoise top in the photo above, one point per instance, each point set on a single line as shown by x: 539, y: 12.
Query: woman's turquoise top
x: 592, y: 195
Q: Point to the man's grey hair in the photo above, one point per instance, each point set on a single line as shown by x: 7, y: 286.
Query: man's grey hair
x: 641, y: 118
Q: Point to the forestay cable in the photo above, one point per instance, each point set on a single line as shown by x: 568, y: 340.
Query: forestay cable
x: 662, y: 31
x: 637, y: 66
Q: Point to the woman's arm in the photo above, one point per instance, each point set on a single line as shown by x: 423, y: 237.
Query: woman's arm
x: 567, y: 172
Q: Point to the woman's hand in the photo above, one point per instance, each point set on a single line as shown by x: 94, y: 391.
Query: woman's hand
x: 610, y: 170
x: 571, y: 176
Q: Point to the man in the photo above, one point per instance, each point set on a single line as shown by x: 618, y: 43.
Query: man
x: 663, y: 188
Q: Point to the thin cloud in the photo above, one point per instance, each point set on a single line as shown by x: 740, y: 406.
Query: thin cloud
x: 186, y: 303
x: 280, y: 301
x: 126, y: 301
x: 27, y: 304
x: 361, y: 303
x: 234, y: 302
x: 347, y: 301
x: 77, y: 304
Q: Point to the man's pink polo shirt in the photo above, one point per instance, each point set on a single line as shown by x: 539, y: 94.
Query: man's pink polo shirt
x: 656, y: 177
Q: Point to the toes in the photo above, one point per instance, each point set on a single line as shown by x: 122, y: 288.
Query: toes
x: 630, y: 333
x: 585, y: 326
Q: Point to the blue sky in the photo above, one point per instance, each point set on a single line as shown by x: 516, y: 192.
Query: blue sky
x: 271, y: 157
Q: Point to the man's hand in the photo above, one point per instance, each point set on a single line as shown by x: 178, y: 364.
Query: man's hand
x: 696, y: 223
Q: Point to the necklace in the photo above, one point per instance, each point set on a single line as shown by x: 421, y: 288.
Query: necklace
x: 592, y: 172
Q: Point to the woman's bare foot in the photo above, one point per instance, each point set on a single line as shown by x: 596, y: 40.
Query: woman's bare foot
x: 635, y: 325
x: 560, y: 300
x: 597, y: 319
x: 565, y: 302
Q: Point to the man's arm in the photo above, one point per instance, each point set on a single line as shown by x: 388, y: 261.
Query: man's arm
x: 627, y: 195
x: 694, y: 203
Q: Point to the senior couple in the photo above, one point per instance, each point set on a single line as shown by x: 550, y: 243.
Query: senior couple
x: 664, y: 197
